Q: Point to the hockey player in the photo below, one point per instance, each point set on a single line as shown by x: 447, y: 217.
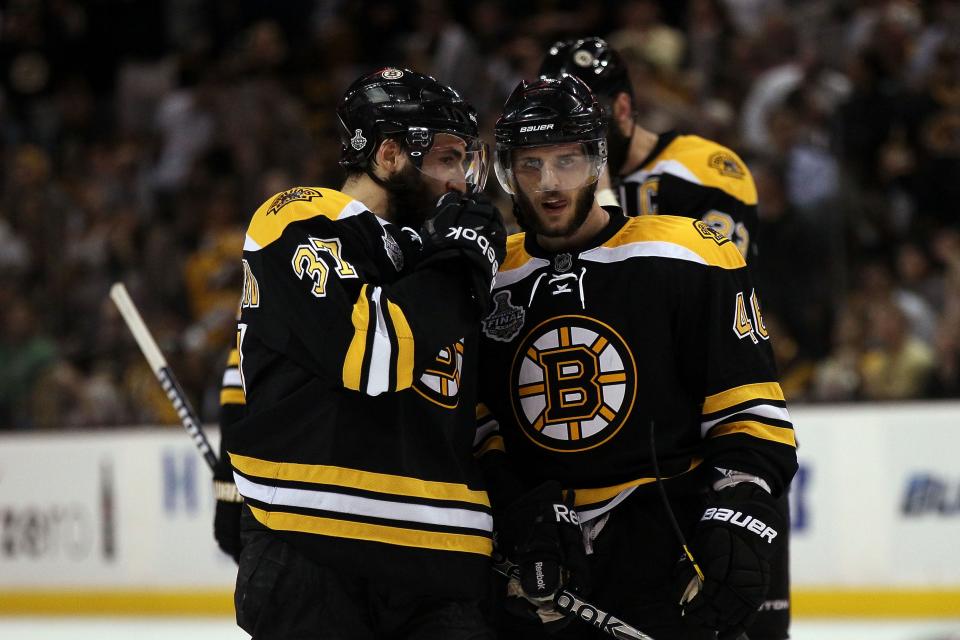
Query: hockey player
x: 364, y: 511
x: 621, y: 349
x: 681, y: 175
x: 667, y: 173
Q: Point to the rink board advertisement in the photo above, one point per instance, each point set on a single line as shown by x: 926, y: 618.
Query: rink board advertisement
x: 121, y: 520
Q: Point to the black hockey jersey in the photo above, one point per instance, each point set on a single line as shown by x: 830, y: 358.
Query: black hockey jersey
x: 359, y: 374
x: 655, y: 320
x: 685, y: 175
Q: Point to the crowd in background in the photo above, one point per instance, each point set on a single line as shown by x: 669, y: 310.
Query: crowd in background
x: 138, y: 136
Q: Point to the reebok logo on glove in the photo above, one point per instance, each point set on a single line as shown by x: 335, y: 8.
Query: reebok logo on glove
x: 738, y: 518
x: 471, y: 235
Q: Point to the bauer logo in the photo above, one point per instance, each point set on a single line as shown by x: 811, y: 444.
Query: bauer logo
x: 930, y: 494
x: 536, y: 127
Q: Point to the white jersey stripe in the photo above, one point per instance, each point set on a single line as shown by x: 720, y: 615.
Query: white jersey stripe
x: 672, y: 167
x: 762, y: 410
x: 231, y: 377
x: 485, y: 430
x: 506, y: 278
x: 379, y: 379
x: 643, y: 249
x: 362, y: 506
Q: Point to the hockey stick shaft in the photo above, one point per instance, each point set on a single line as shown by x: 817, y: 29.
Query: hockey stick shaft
x: 572, y: 606
x: 188, y: 417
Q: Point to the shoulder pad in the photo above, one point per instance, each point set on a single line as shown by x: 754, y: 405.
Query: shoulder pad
x: 295, y: 205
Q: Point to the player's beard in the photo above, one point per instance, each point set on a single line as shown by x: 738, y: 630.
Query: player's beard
x: 410, y: 199
x: 526, y: 215
x: 618, y: 145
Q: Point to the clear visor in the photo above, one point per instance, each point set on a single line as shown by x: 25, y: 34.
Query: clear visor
x: 557, y: 167
x: 452, y: 160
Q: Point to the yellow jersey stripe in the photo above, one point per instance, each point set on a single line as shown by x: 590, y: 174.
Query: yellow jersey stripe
x: 743, y: 393
x: 357, y: 351
x: 669, y: 237
x: 356, y: 479
x: 233, y: 359
x: 494, y: 443
x: 602, y: 494
x: 283, y: 521
x: 232, y: 395
x: 757, y: 430
x: 404, y: 346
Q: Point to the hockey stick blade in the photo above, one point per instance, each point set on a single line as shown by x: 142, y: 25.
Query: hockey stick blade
x: 574, y: 607
x: 188, y: 417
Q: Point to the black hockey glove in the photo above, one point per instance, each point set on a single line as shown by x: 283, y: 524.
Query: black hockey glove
x: 540, y: 532
x: 734, y: 541
x: 226, y: 515
x: 469, y: 228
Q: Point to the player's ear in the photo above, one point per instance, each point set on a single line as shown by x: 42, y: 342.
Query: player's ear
x: 390, y: 156
x: 623, y: 112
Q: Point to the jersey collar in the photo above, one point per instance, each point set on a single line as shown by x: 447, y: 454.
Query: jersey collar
x: 616, y: 222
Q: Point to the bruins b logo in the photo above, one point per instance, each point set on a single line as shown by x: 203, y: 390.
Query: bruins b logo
x: 440, y: 383
x: 573, y: 383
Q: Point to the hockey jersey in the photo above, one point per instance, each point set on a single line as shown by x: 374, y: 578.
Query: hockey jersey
x: 654, y: 324
x: 686, y: 175
x: 360, y: 389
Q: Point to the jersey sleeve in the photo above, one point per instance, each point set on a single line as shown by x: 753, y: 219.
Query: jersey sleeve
x: 233, y: 407
x: 316, y: 304
x: 503, y: 484
x: 744, y: 417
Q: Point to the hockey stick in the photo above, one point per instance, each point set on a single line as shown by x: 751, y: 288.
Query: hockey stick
x: 188, y: 417
x: 571, y: 606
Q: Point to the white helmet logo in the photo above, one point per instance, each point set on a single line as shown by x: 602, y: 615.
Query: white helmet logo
x: 358, y: 141
x: 583, y: 58
x: 392, y: 74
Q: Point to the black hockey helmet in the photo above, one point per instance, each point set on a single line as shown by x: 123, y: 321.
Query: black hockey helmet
x: 551, y: 111
x: 593, y: 61
x: 412, y: 107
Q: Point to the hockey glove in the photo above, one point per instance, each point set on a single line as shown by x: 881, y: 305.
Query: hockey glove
x: 734, y: 541
x: 468, y: 228
x: 226, y: 515
x: 541, y: 533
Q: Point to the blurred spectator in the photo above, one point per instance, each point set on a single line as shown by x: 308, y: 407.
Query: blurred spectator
x: 25, y: 355
x: 897, y: 366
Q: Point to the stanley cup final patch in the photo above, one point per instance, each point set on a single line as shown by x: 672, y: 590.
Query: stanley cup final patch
x: 394, y: 252
x: 358, y: 141
x: 505, y: 321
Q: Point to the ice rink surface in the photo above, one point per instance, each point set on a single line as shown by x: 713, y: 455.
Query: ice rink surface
x: 17, y: 628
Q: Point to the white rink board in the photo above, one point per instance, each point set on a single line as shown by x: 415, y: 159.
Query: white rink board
x: 855, y: 521
x: 133, y: 508
x: 110, y: 509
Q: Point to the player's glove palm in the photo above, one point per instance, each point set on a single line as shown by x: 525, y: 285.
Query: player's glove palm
x: 733, y: 543
x: 469, y: 228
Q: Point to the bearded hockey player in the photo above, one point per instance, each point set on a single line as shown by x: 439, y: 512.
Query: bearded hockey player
x: 364, y: 512
x: 619, y: 350
x: 682, y: 175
